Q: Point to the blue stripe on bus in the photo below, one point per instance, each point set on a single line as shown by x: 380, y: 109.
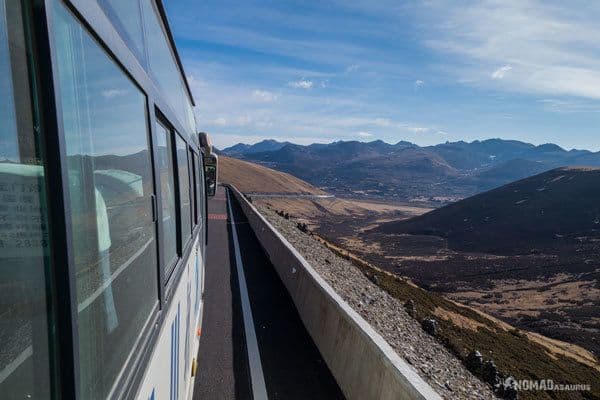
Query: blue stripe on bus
x: 172, y: 385
x: 175, y: 354
x: 197, y: 282
x: 152, y: 396
x: 177, y: 349
x: 186, y: 353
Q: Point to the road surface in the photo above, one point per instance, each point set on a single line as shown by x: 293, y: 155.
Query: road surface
x: 232, y: 359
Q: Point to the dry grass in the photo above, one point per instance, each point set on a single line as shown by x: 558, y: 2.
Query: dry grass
x: 528, y: 297
x: 249, y: 177
x: 552, y: 346
x: 556, y: 347
x: 313, y: 210
x: 457, y: 319
x: 380, y: 207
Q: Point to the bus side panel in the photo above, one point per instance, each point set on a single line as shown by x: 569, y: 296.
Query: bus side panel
x: 168, y: 375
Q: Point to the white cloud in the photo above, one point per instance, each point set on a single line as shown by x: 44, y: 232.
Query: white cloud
x: 501, y: 72
x: 264, y: 96
x: 418, y: 84
x: 417, y: 129
x: 219, y: 121
x: 352, y: 68
x: 112, y: 93
x: 301, y: 84
x: 570, y: 105
x: 241, y: 121
x: 383, y: 122
x: 552, y: 44
x: 363, y: 134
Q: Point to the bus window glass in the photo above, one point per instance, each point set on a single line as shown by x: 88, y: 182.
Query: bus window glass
x: 24, y: 239
x: 167, y: 192
x: 163, y: 67
x: 199, y: 193
x: 104, y: 121
x: 126, y: 17
x: 191, y: 165
x: 8, y: 124
x: 184, y: 190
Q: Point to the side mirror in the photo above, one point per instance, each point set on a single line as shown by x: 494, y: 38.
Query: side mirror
x: 210, y: 174
x: 210, y: 164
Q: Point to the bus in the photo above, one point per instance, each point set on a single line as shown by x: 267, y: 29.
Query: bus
x: 103, y: 192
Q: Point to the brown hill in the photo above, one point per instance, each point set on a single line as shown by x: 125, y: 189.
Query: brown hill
x: 250, y: 177
x: 256, y: 179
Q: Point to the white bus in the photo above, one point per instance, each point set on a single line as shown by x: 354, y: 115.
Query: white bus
x: 102, y: 204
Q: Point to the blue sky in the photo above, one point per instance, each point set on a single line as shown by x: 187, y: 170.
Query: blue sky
x: 425, y: 71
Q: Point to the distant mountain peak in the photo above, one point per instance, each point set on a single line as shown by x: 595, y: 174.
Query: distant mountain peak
x: 548, y: 147
x: 262, y: 146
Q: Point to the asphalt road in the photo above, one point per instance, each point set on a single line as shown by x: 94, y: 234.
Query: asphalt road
x: 291, y: 363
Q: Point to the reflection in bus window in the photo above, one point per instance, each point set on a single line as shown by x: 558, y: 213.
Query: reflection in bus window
x: 110, y: 180
x: 24, y: 240
x: 167, y: 191
x: 184, y: 190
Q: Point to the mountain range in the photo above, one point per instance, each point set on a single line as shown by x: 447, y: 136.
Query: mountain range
x: 405, y: 171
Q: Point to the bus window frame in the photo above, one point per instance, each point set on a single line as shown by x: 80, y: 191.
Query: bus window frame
x: 169, y: 265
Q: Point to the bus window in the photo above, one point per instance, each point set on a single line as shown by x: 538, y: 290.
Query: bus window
x: 24, y: 238
x: 191, y: 165
x: 104, y: 121
x: 167, y: 190
x: 199, y: 191
x: 184, y: 190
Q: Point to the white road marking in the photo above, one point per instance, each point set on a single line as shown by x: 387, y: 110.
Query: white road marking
x: 12, y: 367
x: 86, y: 303
x: 259, y: 389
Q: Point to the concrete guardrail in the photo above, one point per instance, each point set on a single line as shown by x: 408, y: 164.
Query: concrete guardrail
x: 362, y: 362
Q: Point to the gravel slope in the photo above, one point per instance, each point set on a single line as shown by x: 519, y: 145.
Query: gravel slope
x: 444, y: 372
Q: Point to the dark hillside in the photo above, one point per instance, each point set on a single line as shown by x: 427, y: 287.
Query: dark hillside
x: 556, y: 209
